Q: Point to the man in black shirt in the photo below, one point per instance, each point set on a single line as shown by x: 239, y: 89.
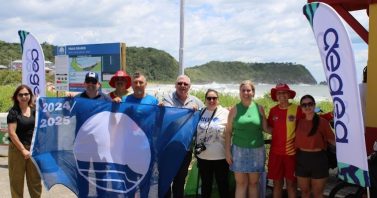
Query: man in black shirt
x: 92, y: 86
x: 92, y: 91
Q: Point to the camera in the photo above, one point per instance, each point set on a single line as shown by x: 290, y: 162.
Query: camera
x: 199, y: 148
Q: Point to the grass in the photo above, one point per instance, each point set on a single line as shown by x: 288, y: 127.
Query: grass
x: 6, y: 97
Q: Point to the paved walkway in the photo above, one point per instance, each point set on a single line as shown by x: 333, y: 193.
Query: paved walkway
x: 58, y: 191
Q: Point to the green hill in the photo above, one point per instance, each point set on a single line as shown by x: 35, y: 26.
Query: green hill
x: 12, y: 51
x: 156, y: 64
x: 160, y: 66
x: 234, y: 72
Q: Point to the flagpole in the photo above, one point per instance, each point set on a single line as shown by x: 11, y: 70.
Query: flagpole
x: 181, y: 38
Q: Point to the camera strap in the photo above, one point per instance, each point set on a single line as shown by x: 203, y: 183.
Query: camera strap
x: 209, y: 122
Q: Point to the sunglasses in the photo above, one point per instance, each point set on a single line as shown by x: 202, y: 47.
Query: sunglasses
x: 120, y: 79
x: 182, y: 83
x: 211, y: 98
x: 23, y: 94
x: 91, y: 80
x: 309, y: 104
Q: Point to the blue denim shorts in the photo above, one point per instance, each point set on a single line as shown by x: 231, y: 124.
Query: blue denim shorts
x: 248, y: 160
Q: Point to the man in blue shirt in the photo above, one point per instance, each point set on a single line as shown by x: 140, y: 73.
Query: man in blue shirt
x: 139, y: 83
x: 139, y: 96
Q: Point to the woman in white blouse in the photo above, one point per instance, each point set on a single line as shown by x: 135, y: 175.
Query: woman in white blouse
x: 209, y: 148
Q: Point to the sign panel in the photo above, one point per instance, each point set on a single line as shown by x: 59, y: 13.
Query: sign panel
x: 61, y: 73
x: 74, y: 61
x: 3, y: 129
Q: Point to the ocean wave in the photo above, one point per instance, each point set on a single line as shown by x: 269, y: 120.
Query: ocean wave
x: 320, y: 92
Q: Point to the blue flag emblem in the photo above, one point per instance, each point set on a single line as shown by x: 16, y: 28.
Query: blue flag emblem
x: 103, y: 149
x: 117, y: 146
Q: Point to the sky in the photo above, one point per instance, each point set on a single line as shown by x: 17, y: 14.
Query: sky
x: 222, y: 30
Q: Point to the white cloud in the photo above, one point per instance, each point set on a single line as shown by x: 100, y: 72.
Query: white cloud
x: 236, y: 30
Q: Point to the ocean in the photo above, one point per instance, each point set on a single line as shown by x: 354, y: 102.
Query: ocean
x: 319, y: 92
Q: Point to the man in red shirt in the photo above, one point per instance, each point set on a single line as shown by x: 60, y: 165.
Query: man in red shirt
x: 282, y: 160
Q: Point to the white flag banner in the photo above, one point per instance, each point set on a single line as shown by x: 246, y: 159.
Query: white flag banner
x: 33, y: 64
x: 340, y: 69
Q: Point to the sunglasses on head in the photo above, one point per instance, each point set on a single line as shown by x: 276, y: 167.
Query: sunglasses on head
x: 309, y: 104
x: 23, y: 94
x: 182, y: 83
x: 211, y: 98
x: 91, y: 80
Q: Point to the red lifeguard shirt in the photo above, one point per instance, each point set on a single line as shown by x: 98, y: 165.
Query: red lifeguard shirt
x: 283, y: 123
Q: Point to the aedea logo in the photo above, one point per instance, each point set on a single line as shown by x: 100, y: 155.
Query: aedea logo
x: 112, y: 152
x: 333, y: 65
x: 32, y: 67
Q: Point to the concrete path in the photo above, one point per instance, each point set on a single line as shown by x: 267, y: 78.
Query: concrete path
x: 58, y: 191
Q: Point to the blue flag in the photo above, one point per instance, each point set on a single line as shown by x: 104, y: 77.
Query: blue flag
x: 103, y: 149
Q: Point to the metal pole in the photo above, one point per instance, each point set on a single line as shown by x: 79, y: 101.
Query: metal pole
x: 181, y: 38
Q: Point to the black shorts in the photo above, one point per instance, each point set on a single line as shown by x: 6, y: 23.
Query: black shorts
x: 312, y: 164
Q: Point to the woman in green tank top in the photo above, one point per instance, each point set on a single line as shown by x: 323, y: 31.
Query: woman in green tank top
x: 246, y: 155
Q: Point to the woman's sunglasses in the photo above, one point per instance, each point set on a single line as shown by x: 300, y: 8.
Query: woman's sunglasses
x: 23, y: 94
x: 211, y: 98
x: 309, y: 104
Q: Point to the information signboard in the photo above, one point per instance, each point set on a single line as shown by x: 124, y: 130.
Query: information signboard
x: 72, y: 62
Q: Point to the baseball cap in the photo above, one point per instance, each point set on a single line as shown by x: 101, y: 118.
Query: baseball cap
x: 91, y: 77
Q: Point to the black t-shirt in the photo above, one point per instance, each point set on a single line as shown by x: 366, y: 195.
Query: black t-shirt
x: 100, y: 96
x: 25, y: 125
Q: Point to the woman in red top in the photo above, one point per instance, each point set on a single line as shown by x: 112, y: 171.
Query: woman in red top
x: 312, y: 135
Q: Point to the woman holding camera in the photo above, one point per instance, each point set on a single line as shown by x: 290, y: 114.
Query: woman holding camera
x: 246, y: 157
x: 209, y: 148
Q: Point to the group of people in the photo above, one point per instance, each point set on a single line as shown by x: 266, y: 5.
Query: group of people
x: 226, y: 139
x: 297, y: 153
